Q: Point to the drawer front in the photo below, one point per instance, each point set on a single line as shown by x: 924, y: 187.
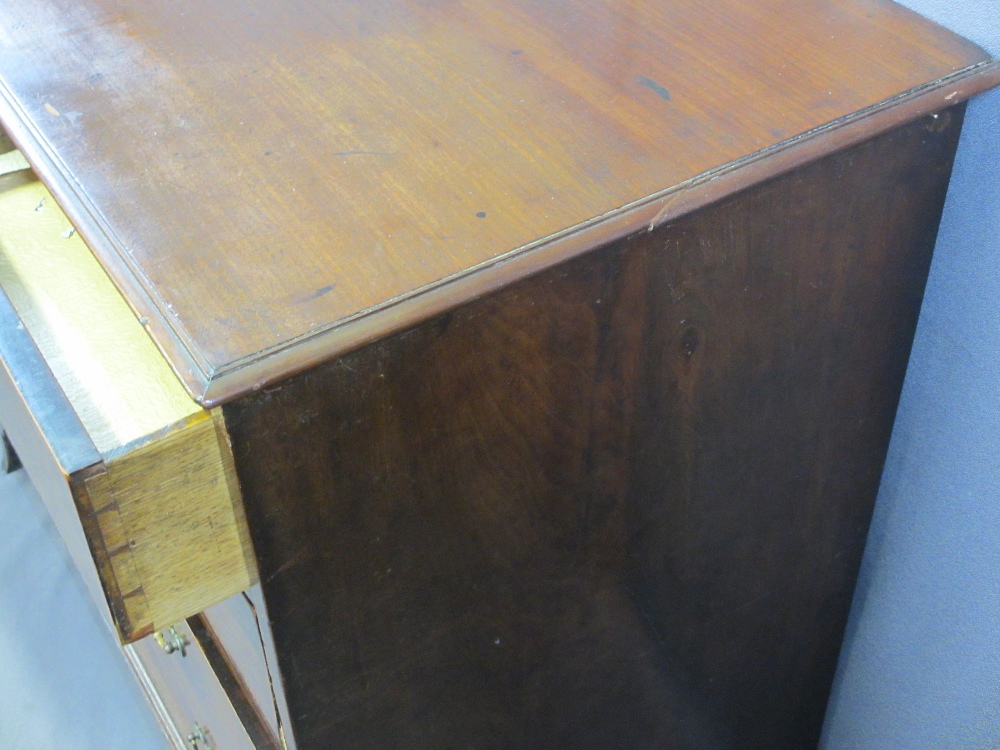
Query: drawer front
x: 189, y: 695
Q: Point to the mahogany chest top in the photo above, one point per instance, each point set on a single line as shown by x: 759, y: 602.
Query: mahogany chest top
x: 272, y: 184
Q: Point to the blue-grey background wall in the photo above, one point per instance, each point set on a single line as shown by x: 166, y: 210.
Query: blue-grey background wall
x: 920, y: 668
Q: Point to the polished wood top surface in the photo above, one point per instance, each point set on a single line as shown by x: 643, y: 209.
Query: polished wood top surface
x: 117, y: 382
x: 269, y: 182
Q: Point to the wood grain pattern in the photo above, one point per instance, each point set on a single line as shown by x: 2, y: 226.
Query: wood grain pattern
x: 619, y: 504
x: 257, y: 176
x: 151, y: 472
x: 166, y: 526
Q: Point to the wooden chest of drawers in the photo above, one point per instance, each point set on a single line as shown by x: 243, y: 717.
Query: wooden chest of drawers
x: 531, y: 366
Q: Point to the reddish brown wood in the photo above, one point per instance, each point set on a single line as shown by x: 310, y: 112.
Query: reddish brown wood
x: 240, y: 696
x: 271, y: 182
x: 621, y: 503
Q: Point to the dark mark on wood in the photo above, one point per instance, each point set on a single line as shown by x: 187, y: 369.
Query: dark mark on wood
x: 134, y: 592
x: 104, y: 509
x: 481, y: 214
x: 652, y: 85
x: 143, y: 632
x: 320, y: 292
x: 119, y: 549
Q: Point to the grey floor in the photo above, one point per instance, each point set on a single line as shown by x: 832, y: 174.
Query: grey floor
x: 64, y: 685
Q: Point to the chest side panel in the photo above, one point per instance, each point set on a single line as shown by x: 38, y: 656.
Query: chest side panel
x: 620, y: 503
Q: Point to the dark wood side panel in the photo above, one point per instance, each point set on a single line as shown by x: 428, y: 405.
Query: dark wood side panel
x: 620, y: 504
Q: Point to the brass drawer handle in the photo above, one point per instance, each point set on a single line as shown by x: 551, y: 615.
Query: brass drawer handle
x: 171, y: 640
x: 199, y: 738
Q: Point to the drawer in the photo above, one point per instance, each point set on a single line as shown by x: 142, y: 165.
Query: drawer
x: 137, y: 476
x: 199, y: 704
x: 214, y: 674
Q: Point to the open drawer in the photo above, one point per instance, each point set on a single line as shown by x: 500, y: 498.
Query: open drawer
x: 210, y: 680
x: 137, y: 476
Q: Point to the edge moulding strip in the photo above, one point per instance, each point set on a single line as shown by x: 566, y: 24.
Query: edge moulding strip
x: 324, y: 344
x: 211, y: 387
x: 192, y: 369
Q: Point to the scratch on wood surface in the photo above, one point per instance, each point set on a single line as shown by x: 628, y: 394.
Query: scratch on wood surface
x: 667, y: 204
x: 363, y: 153
x: 285, y: 566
